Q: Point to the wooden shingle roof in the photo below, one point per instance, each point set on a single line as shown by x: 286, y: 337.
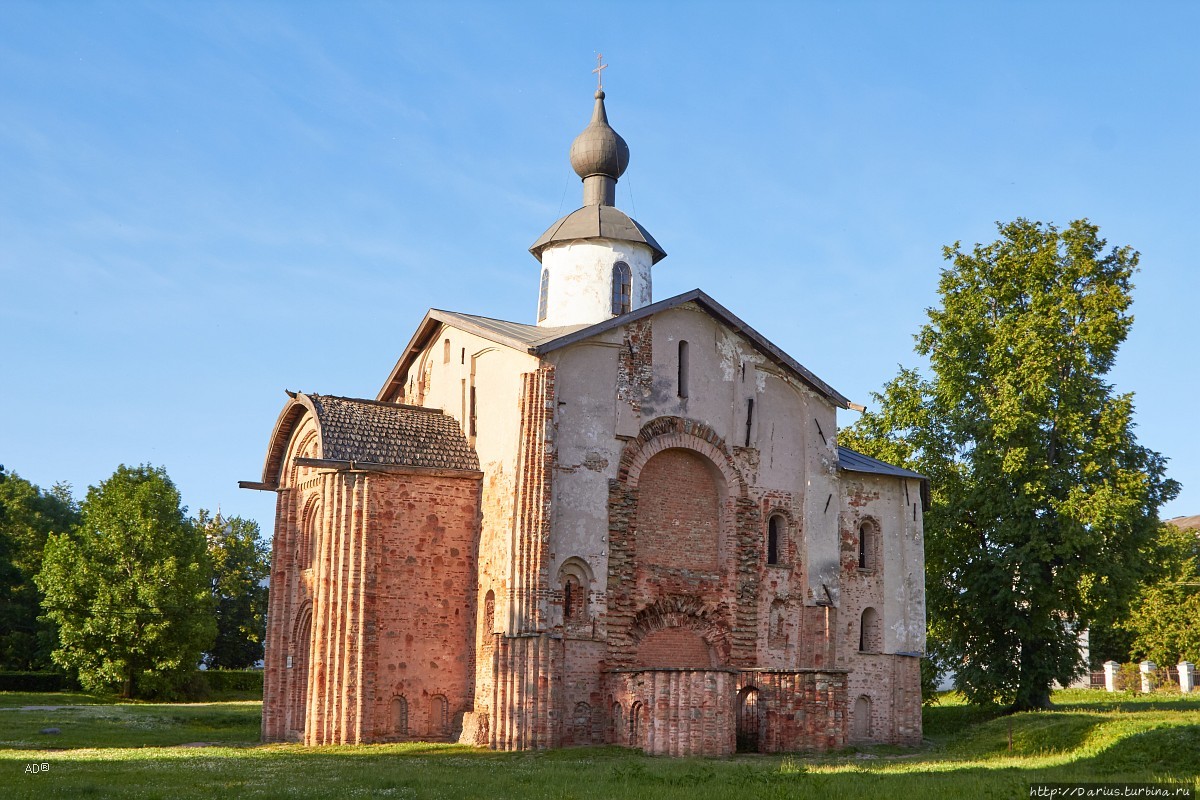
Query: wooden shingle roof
x: 372, y: 432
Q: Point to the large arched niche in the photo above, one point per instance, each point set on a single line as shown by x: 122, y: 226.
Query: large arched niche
x: 686, y: 487
x: 678, y: 521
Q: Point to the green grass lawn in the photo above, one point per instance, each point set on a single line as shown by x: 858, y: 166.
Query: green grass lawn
x: 110, y: 749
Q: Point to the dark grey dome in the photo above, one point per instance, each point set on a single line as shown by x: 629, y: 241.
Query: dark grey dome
x: 599, y: 150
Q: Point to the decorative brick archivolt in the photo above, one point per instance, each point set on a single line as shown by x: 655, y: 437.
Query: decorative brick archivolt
x: 691, y: 613
x: 664, y: 433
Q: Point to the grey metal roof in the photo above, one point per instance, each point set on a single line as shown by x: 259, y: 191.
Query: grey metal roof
x: 369, y: 431
x: 597, y: 222
x: 513, y: 334
x: 538, y: 341
x: 719, y: 312
x: 854, y: 461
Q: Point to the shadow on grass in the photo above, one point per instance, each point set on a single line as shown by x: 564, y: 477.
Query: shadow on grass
x: 1173, y: 749
x: 1025, y: 735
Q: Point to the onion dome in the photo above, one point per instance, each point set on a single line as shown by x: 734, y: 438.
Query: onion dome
x: 599, y: 150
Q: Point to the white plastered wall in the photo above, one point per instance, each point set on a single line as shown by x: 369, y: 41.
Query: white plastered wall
x: 579, y: 290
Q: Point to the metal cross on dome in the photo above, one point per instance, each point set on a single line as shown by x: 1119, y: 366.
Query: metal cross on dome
x: 598, y: 70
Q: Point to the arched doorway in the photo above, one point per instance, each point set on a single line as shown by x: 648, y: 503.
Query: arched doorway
x: 749, y: 720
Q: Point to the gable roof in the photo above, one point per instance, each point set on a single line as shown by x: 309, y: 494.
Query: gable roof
x: 538, y: 341
x: 370, y: 432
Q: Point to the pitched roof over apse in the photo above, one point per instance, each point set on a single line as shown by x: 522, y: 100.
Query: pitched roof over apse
x: 854, y: 461
x: 537, y: 341
x: 355, y: 431
x: 391, y: 433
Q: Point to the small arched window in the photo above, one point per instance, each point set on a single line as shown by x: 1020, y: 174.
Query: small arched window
x: 543, y: 290
x: 683, y: 368
x: 573, y: 599
x: 776, y: 539
x: 400, y: 716
x: 439, y: 716
x: 622, y: 289
x: 446, y: 352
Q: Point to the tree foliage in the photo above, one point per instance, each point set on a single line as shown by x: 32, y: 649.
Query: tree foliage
x: 28, y: 515
x: 241, y: 561
x: 1164, y: 617
x: 129, y: 587
x: 1044, y: 504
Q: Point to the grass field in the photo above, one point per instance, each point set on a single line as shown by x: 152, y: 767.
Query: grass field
x: 106, y: 749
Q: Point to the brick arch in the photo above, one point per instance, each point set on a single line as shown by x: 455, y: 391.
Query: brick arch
x: 664, y: 433
x: 688, y: 613
x: 635, y: 582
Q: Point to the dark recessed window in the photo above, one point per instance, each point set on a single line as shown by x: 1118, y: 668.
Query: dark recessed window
x: 622, y: 289
x: 774, y: 539
x: 683, y: 368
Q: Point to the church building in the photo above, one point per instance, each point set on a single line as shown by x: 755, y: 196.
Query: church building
x: 629, y: 523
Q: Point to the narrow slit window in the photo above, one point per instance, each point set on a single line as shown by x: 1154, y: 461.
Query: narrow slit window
x: 622, y: 289
x: 866, y: 546
x: 683, y: 368
x: 446, y: 352
x: 773, y: 540
x: 473, y: 428
x: 543, y: 290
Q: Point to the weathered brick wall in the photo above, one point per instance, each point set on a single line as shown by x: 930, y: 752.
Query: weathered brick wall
x: 424, y: 602
x: 527, y: 692
x: 582, y: 664
x: 889, y: 682
x: 798, y: 710
x: 675, y: 712
x: 674, y: 647
x: 678, y: 517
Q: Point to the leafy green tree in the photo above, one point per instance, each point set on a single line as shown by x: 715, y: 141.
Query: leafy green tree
x: 1044, y: 504
x: 241, y: 561
x: 1164, y: 617
x: 27, y: 516
x: 129, y: 587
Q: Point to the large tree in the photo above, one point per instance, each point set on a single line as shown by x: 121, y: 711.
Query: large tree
x: 241, y: 561
x: 129, y: 587
x: 27, y: 516
x: 1044, y: 504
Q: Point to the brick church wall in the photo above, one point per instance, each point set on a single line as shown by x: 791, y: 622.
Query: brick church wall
x: 424, y: 602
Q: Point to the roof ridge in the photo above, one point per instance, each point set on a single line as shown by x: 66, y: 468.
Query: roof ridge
x: 384, y: 403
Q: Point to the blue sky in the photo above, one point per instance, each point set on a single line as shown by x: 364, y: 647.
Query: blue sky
x: 202, y: 204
